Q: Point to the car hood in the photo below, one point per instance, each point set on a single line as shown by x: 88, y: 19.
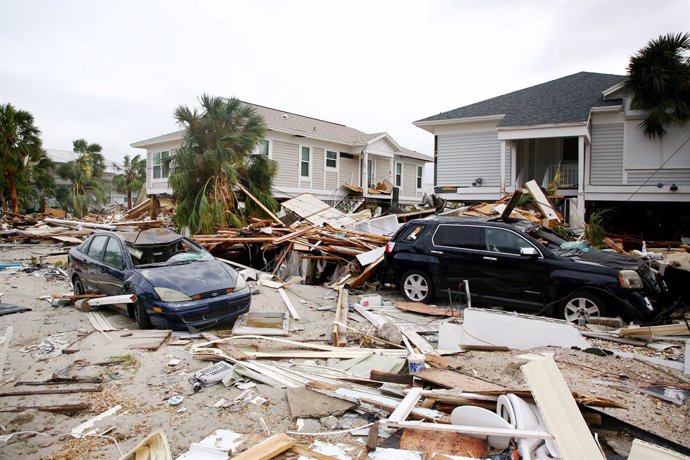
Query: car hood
x: 191, y: 278
x: 605, y: 259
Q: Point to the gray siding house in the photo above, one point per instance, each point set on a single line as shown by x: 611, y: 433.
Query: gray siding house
x: 578, y: 131
x: 328, y: 160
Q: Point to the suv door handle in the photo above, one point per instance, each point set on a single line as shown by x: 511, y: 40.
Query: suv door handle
x: 489, y: 258
x: 440, y: 253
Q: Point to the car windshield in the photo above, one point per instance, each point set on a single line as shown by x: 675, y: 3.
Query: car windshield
x: 175, y: 253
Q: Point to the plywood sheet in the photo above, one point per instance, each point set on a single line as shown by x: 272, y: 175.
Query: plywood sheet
x: 451, y: 379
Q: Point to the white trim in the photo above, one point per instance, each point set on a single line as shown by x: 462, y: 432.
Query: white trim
x: 607, y: 108
x: 544, y: 131
x: 503, y: 166
x: 402, y: 175
x: 613, y: 89
x: 382, y: 136
x: 456, y: 121
x: 300, y: 177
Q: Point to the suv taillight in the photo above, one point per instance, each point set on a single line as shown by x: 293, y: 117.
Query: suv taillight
x: 389, y: 246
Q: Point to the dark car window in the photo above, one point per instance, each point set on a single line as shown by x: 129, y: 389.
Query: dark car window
x: 96, y: 247
x: 500, y: 240
x: 113, y: 254
x: 412, y: 233
x: 458, y: 236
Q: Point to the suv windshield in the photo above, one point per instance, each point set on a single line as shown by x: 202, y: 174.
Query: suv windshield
x: 178, y: 252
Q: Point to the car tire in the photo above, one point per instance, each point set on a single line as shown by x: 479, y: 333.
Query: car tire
x: 579, y: 307
x: 78, y: 286
x: 141, y: 316
x: 416, y: 286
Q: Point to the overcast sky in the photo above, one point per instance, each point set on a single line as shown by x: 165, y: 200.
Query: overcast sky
x: 113, y: 71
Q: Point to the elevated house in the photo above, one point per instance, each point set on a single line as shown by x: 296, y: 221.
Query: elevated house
x: 577, y: 132
x: 326, y: 159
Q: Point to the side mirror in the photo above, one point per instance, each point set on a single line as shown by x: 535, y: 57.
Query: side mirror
x: 529, y: 252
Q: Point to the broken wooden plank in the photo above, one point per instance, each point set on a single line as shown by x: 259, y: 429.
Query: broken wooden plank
x: 542, y: 202
x: 366, y: 274
x: 56, y: 408
x: 55, y: 391
x: 512, y: 203
x: 561, y: 415
x: 651, y: 331
x: 424, y: 309
x: 417, y: 340
x: 5, y: 347
x: 406, y: 405
x: 260, y: 204
x: 476, y: 430
x: 268, y: 448
x: 339, y: 336
x: 425, y: 441
x: 451, y: 379
x: 288, y: 304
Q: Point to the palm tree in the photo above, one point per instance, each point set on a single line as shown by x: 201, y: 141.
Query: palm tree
x: 132, y: 176
x: 19, y: 144
x: 86, y: 174
x: 216, y: 154
x: 42, y: 179
x: 659, y: 83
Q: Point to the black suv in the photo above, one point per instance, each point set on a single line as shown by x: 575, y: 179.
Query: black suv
x: 518, y: 264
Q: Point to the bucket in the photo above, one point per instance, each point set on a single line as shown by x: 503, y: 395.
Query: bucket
x: 415, y: 363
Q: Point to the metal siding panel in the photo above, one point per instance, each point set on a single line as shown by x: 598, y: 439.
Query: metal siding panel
x: 606, y: 166
x: 464, y: 157
x: 409, y: 179
x: 383, y: 169
x: 349, y: 170
x: 662, y: 176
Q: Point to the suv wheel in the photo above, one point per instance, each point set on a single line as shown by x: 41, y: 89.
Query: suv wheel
x: 416, y: 286
x: 578, y: 308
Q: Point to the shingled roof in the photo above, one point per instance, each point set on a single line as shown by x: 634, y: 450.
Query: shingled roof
x: 564, y: 100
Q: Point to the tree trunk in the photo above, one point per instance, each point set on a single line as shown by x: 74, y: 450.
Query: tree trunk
x: 12, y: 186
x: 129, y: 199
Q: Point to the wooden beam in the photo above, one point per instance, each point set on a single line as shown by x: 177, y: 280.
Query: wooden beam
x: 511, y: 204
x: 56, y: 391
x: 268, y: 448
x: 406, y: 405
x: 288, y: 304
x: 260, y: 204
x: 340, y: 326
x: 311, y: 453
x: 507, y: 432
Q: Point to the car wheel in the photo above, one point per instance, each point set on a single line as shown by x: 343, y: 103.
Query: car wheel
x: 141, y: 316
x: 78, y: 286
x: 578, y: 308
x: 416, y: 286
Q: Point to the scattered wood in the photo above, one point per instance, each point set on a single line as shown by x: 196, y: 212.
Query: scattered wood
x: 56, y: 391
x: 651, y: 331
x: 545, y: 206
x: 425, y: 441
x: 424, y: 309
x: 366, y: 274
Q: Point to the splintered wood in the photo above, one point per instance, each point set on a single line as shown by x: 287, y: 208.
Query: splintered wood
x: 340, y: 326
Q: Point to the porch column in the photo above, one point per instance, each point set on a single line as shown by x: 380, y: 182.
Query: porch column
x: 365, y: 173
x: 581, y: 176
x: 503, y: 168
x: 513, y: 165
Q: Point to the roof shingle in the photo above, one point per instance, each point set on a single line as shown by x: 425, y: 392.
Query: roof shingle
x: 564, y: 100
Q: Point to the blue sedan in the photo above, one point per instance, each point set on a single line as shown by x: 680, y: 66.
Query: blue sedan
x: 178, y: 284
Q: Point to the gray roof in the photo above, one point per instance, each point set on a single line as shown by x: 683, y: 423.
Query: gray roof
x: 299, y: 125
x: 564, y: 100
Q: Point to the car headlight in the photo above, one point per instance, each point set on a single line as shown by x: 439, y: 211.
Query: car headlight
x: 241, y: 283
x: 629, y: 279
x: 171, y: 295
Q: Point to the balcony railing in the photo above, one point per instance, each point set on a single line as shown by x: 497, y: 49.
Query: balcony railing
x: 564, y: 173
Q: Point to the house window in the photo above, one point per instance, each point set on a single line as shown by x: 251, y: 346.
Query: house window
x: 420, y: 175
x: 305, y: 159
x: 398, y: 174
x: 331, y: 159
x: 161, y: 167
x: 263, y: 147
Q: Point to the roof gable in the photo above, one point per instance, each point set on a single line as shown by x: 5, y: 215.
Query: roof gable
x: 564, y: 100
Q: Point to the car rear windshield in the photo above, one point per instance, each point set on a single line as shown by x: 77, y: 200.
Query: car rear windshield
x: 178, y: 252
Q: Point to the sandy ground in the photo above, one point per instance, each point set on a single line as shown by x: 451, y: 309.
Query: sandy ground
x: 144, y: 384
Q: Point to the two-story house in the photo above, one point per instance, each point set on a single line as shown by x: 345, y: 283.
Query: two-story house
x: 326, y: 159
x: 577, y: 132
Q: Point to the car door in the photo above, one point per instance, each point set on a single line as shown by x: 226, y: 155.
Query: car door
x: 509, y: 278
x: 113, y: 268
x: 458, y: 248
x: 92, y: 268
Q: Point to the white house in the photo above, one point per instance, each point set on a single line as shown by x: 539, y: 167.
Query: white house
x: 577, y: 129
x: 326, y: 159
